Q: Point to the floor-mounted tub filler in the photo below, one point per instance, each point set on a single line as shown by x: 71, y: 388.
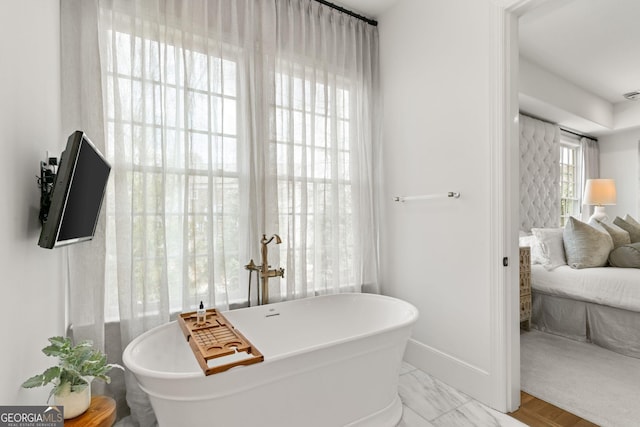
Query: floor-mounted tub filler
x: 328, y: 361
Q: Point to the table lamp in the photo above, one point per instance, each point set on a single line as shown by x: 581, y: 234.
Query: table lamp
x: 599, y: 193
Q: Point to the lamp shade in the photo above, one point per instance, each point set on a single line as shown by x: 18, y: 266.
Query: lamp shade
x: 600, y: 192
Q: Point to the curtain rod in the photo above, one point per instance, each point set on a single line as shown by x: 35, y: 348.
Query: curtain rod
x: 578, y: 134
x: 561, y: 128
x: 348, y: 12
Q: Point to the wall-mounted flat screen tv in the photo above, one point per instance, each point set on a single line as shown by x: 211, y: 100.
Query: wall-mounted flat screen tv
x: 77, y: 194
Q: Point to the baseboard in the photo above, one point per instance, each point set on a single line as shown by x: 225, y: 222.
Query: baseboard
x: 457, y: 373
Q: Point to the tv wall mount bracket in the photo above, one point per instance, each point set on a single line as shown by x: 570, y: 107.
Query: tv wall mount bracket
x: 48, y: 171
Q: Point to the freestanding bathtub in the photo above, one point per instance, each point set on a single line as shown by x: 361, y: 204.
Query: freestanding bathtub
x: 328, y: 361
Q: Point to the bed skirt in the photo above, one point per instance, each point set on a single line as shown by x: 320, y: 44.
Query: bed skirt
x: 613, y: 328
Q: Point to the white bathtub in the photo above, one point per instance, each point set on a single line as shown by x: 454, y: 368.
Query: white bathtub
x: 328, y: 361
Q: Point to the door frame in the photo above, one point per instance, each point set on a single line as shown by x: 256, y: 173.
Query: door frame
x: 505, y: 206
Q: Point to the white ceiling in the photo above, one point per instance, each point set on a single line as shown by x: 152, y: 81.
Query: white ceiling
x: 593, y: 43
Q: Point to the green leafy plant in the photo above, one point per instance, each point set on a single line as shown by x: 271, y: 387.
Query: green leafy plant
x: 75, y: 364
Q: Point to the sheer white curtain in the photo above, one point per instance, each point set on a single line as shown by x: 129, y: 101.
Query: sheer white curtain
x: 590, y: 169
x: 320, y: 71
x: 82, y: 109
x: 224, y: 120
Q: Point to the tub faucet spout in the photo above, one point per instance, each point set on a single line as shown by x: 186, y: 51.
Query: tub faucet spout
x: 265, y: 271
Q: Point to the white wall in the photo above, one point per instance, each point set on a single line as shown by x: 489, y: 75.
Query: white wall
x: 31, y: 289
x: 435, y: 254
x: 619, y: 160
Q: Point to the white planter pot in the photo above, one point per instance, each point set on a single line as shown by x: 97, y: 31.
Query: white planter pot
x: 75, y: 403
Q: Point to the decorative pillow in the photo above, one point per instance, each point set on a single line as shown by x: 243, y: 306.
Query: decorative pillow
x: 551, y: 245
x: 619, y: 236
x: 633, y: 230
x: 585, y: 246
x: 631, y: 220
x: 536, y: 251
x: 627, y: 256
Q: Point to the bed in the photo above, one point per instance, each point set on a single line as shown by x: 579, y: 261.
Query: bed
x: 599, y: 305
x: 587, y: 303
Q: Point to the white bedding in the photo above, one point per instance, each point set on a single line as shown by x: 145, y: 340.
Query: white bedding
x: 615, y: 287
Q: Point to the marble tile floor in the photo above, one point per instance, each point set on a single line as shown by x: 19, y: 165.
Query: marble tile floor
x: 428, y: 402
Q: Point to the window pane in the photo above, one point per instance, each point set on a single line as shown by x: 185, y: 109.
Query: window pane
x: 569, y: 174
x: 172, y: 125
x: 313, y: 163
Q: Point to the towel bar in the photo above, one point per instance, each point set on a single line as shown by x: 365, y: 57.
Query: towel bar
x: 450, y: 194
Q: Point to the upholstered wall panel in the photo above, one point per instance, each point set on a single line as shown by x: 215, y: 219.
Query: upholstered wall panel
x: 539, y: 173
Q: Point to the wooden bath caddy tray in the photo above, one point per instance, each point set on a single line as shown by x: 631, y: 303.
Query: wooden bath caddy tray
x: 216, y: 338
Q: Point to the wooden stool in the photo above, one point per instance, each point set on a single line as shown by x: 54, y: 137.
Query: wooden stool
x: 101, y: 413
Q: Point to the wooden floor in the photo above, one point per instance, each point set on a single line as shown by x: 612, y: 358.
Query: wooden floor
x: 538, y: 413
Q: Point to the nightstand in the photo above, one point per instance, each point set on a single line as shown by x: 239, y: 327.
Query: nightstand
x: 525, y: 288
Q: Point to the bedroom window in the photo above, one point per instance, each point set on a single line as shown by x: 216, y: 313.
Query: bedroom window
x: 569, y: 180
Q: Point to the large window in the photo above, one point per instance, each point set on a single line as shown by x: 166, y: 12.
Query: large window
x: 173, y: 138
x: 312, y: 147
x: 183, y: 153
x: 570, y: 186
